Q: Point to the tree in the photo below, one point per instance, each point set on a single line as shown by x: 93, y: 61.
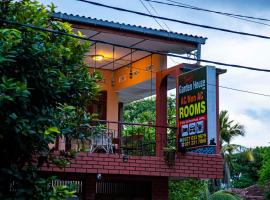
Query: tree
x: 228, y: 130
x: 44, y: 89
x: 144, y: 111
x: 189, y: 189
x: 264, y: 173
x: 244, y: 172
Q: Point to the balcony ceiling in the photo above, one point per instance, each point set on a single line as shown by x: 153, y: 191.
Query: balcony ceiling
x: 143, y: 90
x: 127, y: 35
x: 122, y: 56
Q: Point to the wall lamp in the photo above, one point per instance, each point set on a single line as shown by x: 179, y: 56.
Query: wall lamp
x: 99, y: 177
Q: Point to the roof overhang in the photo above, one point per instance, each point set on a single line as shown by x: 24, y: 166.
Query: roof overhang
x: 124, y: 37
x: 166, y: 35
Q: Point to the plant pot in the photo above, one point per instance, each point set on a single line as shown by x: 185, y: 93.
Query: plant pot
x: 169, y: 157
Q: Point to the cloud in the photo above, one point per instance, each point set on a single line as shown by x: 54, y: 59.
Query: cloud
x: 259, y: 114
x: 257, y: 131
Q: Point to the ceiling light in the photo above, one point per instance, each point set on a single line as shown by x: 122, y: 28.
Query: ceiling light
x: 97, y: 57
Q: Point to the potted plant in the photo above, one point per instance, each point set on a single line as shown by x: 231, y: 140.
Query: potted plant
x: 169, y: 155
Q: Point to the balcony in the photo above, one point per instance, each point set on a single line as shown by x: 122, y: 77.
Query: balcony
x: 120, y: 148
x: 111, y: 137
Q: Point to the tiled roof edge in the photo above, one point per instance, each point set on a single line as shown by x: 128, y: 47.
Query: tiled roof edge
x: 128, y: 27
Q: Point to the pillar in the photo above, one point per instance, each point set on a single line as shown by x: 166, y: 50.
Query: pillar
x: 161, y: 113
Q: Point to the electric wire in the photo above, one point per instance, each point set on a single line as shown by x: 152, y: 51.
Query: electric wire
x: 224, y: 87
x: 88, y: 39
x: 207, y: 10
x: 159, y: 24
x: 177, y: 21
x: 151, y: 14
x: 187, y: 6
x: 240, y: 17
x: 134, y: 48
x: 153, y: 8
x: 244, y: 91
x: 182, y: 5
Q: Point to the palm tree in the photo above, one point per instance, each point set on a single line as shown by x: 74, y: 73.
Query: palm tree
x: 229, y: 130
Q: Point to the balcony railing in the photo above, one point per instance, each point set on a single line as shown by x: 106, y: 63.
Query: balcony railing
x: 138, y: 139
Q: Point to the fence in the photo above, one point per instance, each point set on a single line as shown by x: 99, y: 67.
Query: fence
x: 138, y: 139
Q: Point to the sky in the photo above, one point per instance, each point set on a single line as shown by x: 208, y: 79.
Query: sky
x: 253, y: 111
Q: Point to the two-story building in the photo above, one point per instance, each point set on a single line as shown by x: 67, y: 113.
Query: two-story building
x: 120, y: 164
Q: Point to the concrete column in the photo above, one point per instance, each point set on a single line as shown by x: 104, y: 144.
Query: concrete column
x: 89, y: 187
x: 161, y: 113
x: 160, y: 189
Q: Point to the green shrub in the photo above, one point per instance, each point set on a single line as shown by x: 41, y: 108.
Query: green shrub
x: 223, y: 195
x: 189, y: 189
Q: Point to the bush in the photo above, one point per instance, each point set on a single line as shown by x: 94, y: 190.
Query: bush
x: 189, y: 189
x: 223, y: 195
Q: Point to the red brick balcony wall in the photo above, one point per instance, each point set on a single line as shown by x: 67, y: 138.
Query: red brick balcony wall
x: 186, y: 165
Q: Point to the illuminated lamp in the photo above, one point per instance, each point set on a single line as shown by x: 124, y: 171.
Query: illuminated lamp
x: 97, y: 57
x: 99, y: 177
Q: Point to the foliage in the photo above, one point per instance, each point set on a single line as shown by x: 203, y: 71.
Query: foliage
x: 224, y: 195
x: 189, y: 189
x: 228, y: 130
x: 245, y: 172
x: 144, y: 111
x: 44, y: 89
x: 264, y: 173
x: 140, y: 112
x: 29, y: 185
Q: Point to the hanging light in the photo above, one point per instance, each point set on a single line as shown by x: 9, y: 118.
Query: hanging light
x: 130, y: 68
x: 97, y: 57
x: 151, y: 85
x: 113, y: 78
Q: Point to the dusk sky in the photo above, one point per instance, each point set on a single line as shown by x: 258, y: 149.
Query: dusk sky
x: 251, y: 110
